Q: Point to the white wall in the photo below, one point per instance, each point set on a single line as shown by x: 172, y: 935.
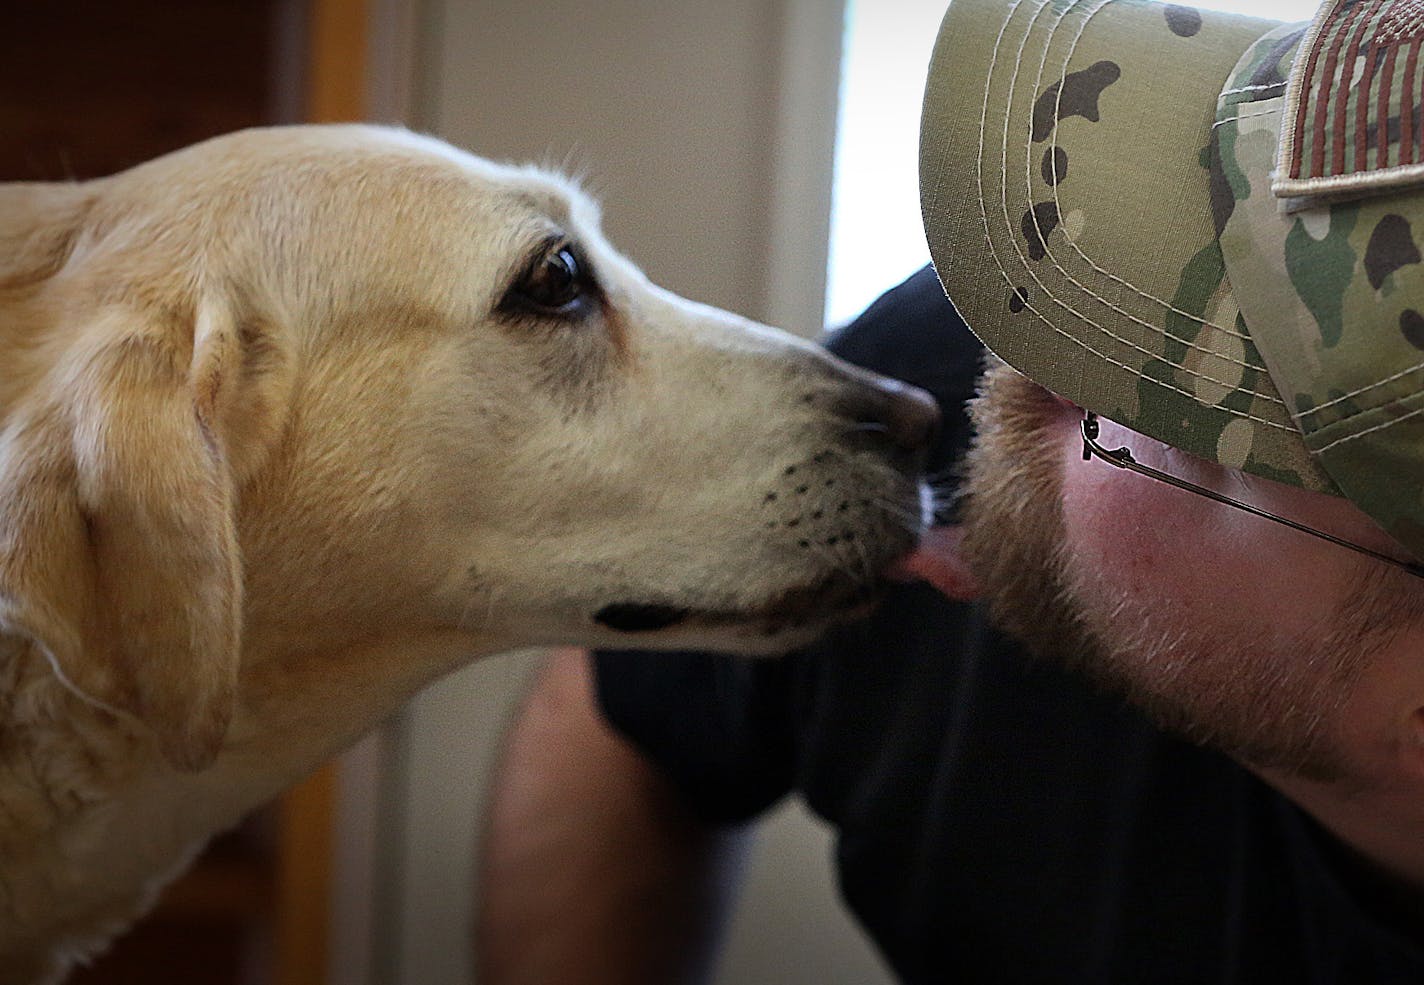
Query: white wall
x: 706, y: 127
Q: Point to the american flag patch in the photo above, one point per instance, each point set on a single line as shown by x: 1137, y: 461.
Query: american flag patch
x: 1352, y: 115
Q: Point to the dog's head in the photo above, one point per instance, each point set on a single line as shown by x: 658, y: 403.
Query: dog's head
x: 296, y: 388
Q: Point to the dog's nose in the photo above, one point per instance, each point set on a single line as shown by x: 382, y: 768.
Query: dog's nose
x: 902, y: 415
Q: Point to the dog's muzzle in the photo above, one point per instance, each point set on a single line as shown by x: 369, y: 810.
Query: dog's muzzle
x: 859, y: 531
x: 904, y: 417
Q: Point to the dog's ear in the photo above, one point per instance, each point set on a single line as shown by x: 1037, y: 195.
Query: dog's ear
x: 118, y: 550
x: 39, y: 225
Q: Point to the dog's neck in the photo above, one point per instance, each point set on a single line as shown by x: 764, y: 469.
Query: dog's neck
x: 93, y: 823
x: 61, y: 760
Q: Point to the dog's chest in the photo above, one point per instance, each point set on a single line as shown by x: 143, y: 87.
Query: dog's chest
x: 58, y: 755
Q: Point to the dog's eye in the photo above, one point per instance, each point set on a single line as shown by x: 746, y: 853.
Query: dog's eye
x: 556, y: 281
x: 557, y: 284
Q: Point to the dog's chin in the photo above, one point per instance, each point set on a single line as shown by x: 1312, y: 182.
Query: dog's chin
x: 788, y: 619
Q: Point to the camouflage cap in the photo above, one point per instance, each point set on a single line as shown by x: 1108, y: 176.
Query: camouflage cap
x: 1198, y: 224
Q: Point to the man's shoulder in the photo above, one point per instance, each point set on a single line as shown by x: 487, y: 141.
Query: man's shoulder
x: 912, y: 329
x: 914, y: 334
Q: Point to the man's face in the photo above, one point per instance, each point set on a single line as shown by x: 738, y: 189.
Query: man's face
x: 1283, y: 650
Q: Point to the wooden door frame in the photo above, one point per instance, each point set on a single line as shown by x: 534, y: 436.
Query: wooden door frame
x: 358, y: 65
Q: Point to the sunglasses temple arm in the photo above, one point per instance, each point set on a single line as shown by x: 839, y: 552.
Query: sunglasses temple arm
x: 1122, y: 458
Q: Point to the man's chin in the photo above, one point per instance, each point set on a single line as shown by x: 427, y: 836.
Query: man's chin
x: 1013, y: 526
x: 1234, y: 695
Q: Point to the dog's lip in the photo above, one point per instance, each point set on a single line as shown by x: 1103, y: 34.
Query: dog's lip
x: 640, y: 617
x: 836, y: 596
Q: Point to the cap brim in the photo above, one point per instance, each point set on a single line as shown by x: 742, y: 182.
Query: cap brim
x: 1067, y: 199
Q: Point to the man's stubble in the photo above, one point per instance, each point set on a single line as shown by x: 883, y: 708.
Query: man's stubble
x: 1266, y: 701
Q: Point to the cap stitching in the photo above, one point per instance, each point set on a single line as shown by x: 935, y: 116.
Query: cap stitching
x: 1306, y: 415
x: 1038, y: 87
x: 1048, y: 252
x: 1246, y: 116
x: 1366, y: 389
x: 1371, y: 430
x: 984, y: 218
x: 1167, y: 305
x: 1303, y: 416
x: 1286, y: 146
x: 1086, y: 291
x: 1405, y: 398
x: 1289, y: 179
x: 1136, y: 372
x: 1240, y: 90
x: 1398, y: 174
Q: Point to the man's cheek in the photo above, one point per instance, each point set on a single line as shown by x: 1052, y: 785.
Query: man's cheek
x: 1122, y: 539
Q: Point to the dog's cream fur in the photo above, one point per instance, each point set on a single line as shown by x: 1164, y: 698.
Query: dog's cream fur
x: 273, y: 455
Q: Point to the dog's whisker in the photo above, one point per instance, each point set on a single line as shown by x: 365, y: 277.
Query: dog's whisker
x: 485, y: 594
x: 491, y: 598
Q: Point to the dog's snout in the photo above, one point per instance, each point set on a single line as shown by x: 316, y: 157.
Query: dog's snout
x: 905, y: 416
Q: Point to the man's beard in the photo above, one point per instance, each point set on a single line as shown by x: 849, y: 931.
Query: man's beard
x: 1266, y: 701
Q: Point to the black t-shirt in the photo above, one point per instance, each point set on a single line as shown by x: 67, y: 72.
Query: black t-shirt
x: 998, y: 819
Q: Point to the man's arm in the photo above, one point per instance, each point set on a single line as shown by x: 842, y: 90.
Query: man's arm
x: 593, y: 870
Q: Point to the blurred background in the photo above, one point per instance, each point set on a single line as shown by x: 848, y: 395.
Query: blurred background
x: 754, y: 154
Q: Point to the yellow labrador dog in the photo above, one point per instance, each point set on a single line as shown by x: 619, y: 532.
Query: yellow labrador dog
x: 295, y: 421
